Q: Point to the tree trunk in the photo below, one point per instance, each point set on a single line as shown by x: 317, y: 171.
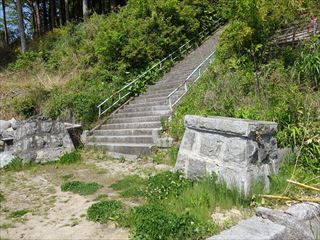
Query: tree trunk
x: 62, y: 12
x: 45, y: 16
x: 66, y: 5
x: 21, y: 27
x: 37, y: 18
x: 52, y: 18
x: 6, y: 37
x: 85, y: 9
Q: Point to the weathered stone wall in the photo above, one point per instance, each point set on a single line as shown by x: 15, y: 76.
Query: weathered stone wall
x: 38, y: 140
x: 301, y: 221
x: 239, y: 151
x: 41, y: 141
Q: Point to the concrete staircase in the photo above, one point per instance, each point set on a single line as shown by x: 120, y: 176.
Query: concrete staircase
x: 133, y: 129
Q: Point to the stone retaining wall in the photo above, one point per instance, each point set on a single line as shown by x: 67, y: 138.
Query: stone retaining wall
x: 239, y: 151
x: 38, y: 140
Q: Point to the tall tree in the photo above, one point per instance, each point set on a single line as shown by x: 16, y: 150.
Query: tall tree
x: 21, y: 27
x: 45, y: 16
x: 66, y: 5
x: 6, y: 37
x: 85, y: 8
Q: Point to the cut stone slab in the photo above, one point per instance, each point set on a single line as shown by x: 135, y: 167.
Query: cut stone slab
x: 239, y: 151
x: 254, y: 228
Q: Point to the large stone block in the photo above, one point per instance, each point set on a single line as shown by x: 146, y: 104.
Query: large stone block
x: 237, y: 150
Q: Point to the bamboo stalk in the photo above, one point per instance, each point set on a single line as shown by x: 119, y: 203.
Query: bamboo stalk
x: 303, y: 185
x: 291, y: 199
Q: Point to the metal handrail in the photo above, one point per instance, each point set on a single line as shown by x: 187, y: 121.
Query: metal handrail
x: 184, y: 84
x: 181, y: 50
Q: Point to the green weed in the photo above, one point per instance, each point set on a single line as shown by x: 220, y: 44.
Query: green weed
x: 105, y: 210
x: 18, y: 213
x: 15, y: 165
x: 70, y: 158
x: 165, y: 184
x: 2, y: 198
x: 80, y: 187
x: 130, y: 186
x: 6, y: 226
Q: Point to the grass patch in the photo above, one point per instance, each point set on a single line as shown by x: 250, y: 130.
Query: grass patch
x: 165, y: 156
x: 152, y: 221
x: 6, y: 226
x: 67, y: 177
x: 15, y: 165
x: 2, y: 198
x: 280, y: 186
x: 101, y: 197
x: 130, y: 186
x: 70, y: 158
x: 106, y: 210
x: 80, y: 187
x: 18, y: 213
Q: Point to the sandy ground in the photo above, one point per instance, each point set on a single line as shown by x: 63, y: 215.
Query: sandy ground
x: 53, y: 214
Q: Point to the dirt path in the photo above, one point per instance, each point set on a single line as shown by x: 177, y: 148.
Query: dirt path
x: 52, y: 214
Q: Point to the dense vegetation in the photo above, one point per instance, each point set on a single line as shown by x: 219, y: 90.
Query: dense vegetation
x: 106, y: 52
x: 253, y: 79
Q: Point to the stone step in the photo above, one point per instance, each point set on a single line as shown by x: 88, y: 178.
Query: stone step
x: 122, y: 114
x: 122, y: 139
x: 116, y: 119
x: 147, y: 104
x: 138, y: 103
x: 156, y: 124
x: 132, y: 108
x: 157, y: 94
x: 142, y: 99
x: 126, y: 148
x: 126, y: 132
x: 164, y: 87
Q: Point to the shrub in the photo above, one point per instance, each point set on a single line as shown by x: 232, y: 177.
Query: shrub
x: 163, y: 185
x: 70, y: 158
x: 80, y: 187
x: 31, y: 103
x: 105, y: 210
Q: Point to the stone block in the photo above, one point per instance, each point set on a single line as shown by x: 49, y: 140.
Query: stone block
x: 253, y: 229
x: 238, y: 151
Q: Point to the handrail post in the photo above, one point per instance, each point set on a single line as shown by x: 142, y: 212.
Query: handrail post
x: 170, y: 104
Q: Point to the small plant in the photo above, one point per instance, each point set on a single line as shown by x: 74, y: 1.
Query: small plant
x: 70, y: 158
x: 130, y: 186
x: 15, y: 165
x: 18, y: 213
x: 80, y: 187
x: 163, y: 185
x: 105, y: 210
x: 2, y: 198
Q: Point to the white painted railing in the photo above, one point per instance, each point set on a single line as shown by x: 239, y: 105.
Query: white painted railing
x: 191, y: 79
x: 125, y: 92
